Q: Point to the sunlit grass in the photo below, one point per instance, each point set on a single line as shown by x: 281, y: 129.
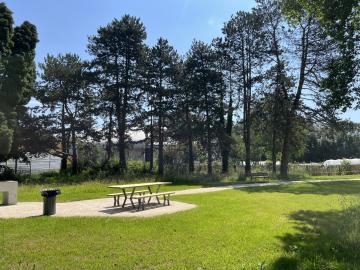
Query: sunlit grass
x: 286, y: 227
x: 99, y: 189
x: 82, y: 191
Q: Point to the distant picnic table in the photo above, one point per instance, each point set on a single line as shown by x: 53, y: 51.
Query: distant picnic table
x: 129, y: 191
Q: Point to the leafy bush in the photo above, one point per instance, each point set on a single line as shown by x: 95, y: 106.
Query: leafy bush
x: 7, y: 173
x: 135, y: 167
x: 345, y: 167
x: 268, y: 165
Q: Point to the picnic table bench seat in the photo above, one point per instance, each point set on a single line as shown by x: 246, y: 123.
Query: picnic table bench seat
x: 141, y: 198
x: 117, y: 195
x: 257, y: 175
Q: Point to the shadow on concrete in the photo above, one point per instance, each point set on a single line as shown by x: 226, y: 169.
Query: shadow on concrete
x: 111, y: 210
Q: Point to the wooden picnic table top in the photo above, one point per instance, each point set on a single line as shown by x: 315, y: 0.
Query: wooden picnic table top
x: 140, y: 185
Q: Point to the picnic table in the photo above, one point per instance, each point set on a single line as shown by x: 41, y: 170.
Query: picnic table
x: 129, y: 190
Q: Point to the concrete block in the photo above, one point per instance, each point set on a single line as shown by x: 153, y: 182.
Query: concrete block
x: 9, y: 190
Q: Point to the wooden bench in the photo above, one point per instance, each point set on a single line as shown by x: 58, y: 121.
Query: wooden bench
x: 141, y: 198
x: 257, y: 175
x: 117, y: 196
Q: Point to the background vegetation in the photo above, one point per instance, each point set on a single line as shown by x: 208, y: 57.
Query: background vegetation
x: 269, y: 88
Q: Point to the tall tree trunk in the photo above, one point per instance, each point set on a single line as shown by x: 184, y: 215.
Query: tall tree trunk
x: 247, y: 134
x: 160, y: 131
x: 109, y: 135
x: 209, y: 154
x: 74, y: 168
x: 119, y: 126
x: 122, y: 145
x: 151, y: 167
x: 225, y: 160
x: 285, y: 153
x: 273, y: 151
x: 190, y: 142
x: 246, y: 111
x: 16, y: 165
x: 161, y: 147
x: 191, y: 153
x: 247, y: 150
x: 275, y: 124
x: 280, y: 87
x: 222, y: 135
x: 120, y: 117
x: 189, y: 139
x: 208, y: 144
x: 63, y: 166
x: 248, y: 117
x: 227, y: 143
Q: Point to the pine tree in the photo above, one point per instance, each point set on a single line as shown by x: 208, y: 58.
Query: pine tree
x: 163, y: 67
x: 64, y: 91
x: 226, y: 66
x: 244, y: 33
x: 118, y: 49
x: 204, y: 82
x: 17, y: 73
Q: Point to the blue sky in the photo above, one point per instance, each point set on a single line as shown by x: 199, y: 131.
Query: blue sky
x: 64, y: 25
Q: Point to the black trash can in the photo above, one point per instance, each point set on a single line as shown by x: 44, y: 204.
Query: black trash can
x: 50, y: 200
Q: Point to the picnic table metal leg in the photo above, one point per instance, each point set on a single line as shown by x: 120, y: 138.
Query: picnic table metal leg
x: 143, y: 204
x: 139, y: 204
x: 150, y: 191
x: 125, y: 198
x: 164, y: 199
x: 115, y: 201
x: 157, y: 191
x: 131, y: 200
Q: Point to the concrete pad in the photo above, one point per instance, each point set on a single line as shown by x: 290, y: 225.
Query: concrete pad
x: 92, y: 208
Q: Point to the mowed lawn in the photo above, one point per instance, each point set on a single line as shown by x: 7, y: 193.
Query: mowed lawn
x: 99, y: 189
x: 288, y: 227
x: 83, y: 191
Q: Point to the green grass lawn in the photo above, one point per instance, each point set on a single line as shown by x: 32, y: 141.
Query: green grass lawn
x: 333, y: 177
x: 82, y: 191
x: 99, y: 189
x: 301, y: 226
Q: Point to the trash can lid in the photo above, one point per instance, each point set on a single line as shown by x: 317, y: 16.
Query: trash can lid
x: 49, y: 192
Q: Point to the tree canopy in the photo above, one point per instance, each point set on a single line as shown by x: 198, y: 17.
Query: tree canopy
x: 17, y: 73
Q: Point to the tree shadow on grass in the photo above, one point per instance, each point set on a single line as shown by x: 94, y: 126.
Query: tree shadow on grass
x: 323, y: 188
x: 323, y: 240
